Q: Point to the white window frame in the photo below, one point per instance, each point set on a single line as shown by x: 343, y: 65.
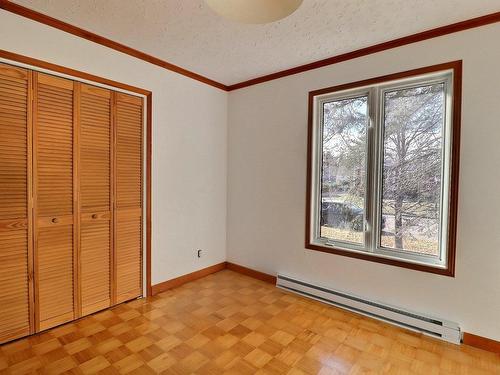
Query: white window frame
x: 374, y: 162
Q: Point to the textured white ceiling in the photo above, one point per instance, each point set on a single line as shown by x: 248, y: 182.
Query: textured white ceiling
x: 189, y: 34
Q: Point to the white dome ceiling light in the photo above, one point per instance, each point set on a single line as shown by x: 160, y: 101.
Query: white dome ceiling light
x: 254, y: 11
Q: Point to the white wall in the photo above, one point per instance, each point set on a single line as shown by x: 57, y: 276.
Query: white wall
x: 266, y: 161
x: 267, y: 132
x: 189, y: 143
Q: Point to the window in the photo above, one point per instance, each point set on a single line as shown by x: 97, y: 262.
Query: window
x: 383, y: 163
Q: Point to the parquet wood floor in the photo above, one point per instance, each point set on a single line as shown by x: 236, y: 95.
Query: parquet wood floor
x: 227, y: 323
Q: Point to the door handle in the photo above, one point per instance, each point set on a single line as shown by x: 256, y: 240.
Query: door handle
x: 55, y: 220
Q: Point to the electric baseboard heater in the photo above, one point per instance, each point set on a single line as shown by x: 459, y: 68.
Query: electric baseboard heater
x: 428, y: 325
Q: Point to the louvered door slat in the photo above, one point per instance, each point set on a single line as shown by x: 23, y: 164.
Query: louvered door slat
x: 128, y: 211
x: 15, y: 245
x: 54, y: 201
x: 95, y: 198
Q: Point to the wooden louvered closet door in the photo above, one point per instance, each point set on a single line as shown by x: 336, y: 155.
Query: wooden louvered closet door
x: 15, y: 203
x: 95, y: 163
x: 54, y: 201
x: 128, y: 196
x: 71, y: 200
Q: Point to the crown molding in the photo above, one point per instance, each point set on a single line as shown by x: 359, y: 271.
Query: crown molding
x: 85, y: 34
x: 414, y: 38
x: 409, y: 39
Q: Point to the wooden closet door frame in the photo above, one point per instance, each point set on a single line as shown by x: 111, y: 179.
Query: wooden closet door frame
x: 79, y: 76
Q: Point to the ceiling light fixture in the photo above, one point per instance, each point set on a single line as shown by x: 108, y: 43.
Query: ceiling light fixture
x: 254, y: 11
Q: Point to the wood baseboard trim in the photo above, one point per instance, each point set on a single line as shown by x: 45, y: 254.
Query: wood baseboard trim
x: 470, y: 339
x: 181, y: 280
x: 252, y: 273
x: 480, y: 342
x: 178, y: 281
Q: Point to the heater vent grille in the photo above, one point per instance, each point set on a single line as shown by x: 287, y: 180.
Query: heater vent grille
x: 417, y: 322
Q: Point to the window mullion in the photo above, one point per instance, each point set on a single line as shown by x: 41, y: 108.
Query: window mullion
x: 375, y: 167
x: 370, y: 164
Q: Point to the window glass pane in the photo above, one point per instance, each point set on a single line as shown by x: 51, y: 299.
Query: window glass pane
x: 411, y: 176
x: 343, y: 169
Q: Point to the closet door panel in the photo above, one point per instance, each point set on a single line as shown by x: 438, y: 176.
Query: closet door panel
x: 54, y: 201
x: 128, y: 210
x: 95, y: 198
x: 128, y: 257
x: 55, y: 278
x: 15, y: 244
x: 95, y: 239
x: 14, y: 295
